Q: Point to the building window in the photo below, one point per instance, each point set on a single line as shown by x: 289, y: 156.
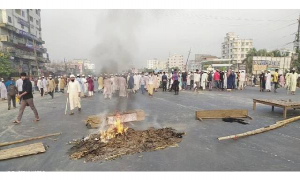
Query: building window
x: 22, y: 26
x: 243, y: 44
x: 31, y: 19
x: 9, y: 19
x: 37, y: 11
x: 23, y: 13
x: 37, y: 22
x: 247, y: 44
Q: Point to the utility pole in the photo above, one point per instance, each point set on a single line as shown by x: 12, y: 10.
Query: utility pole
x: 296, y: 42
x: 187, y: 60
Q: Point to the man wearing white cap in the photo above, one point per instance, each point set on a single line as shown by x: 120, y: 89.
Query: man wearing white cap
x: 85, y: 85
x: 293, y: 81
x: 51, y: 86
x: 74, y: 91
x: 3, y: 90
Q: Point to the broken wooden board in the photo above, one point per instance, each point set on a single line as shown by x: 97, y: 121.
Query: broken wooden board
x: 123, y: 118
x: 218, y: 114
x: 27, y: 150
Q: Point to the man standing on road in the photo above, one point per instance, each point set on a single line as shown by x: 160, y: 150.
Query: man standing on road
x: 204, y: 80
x: 12, y: 91
x: 192, y: 80
x: 100, y: 83
x: 217, y: 79
x: 184, y: 80
x: 51, y: 86
x: 74, y: 91
x: 56, y: 84
x: 222, y: 75
x: 164, y: 80
x: 27, y: 99
x: 275, y: 80
x: 293, y: 81
x: 19, y: 84
x: 197, y: 79
x: 242, y: 80
x: 175, y: 78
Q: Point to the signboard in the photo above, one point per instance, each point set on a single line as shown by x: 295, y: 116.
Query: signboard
x: 242, y: 67
x: 259, y: 67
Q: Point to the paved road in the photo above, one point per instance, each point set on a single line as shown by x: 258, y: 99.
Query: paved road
x: 199, y: 150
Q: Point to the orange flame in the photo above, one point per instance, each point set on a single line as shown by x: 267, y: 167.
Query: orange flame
x: 113, y: 130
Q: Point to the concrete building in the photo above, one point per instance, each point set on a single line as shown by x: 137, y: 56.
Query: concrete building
x: 176, y: 61
x: 199, y: 58
x: 21, y: 36
x: 152, y: 64
x: 235, y: 48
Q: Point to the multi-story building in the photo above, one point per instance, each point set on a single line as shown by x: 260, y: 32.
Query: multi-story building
x: 235, y: 48
x: 176, y: 61
x: 152, y: 64
x: 21, y: 36
x: 199, y: 58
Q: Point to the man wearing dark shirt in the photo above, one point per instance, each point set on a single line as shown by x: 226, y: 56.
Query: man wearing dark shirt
x: 164, y: 80
x: 27, y: 99
x: 184, y: 80
x: 222, y: 80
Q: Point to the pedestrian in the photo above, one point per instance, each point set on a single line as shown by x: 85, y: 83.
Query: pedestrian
x: 281, y: 80
x: 192, y: 80
x: 12, y: 91
x: 74, y: 92
x: 43, y: 86
x: 131, y: 83
x: 268, y: 81
x: 19, y: 85
x: 107, y: 91
x: 84, y: 86
x: 39, y: 84
x: 262, y: 81
x: 142, y: 83
x: 123, y: 86
x: 204, y: 79
x: 56, y: 84
x: 221, y: 83
x: 276, y: 80
x: 242, y: 80
x: 175, y: 78
x: 225, y: 80
x: 188, y: 81
x: 100, y: 83
x: 184, y: 80
x: 230, y: 80
x: 32, y: 83
x: 27, y: 99
x: 293, y: 81
x: 217, y: 79
x: 164, y: 80
x: 136, y: 79
x: 3, y: 90
x: 90, y: 86
x: 197, y: 79
x: 288, y: 81
x: 62, y: 84
x: 51, y: 86
x: 210, y: 79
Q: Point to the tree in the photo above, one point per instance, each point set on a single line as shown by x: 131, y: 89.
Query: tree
x: 5, y: 64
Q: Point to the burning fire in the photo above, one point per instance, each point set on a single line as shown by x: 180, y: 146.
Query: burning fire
x: 114, y: 130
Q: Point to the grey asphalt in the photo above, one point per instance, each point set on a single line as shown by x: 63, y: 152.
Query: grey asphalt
x: 276, y: 150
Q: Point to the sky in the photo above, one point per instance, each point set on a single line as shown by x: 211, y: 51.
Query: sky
x: 119, y: 38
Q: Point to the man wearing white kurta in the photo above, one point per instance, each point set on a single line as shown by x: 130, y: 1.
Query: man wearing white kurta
x: 136, y: 80
x: 85, y: 85
x: 293, y: 81
x: 268, y: 81
x: 3, y: 90
x: 242, y: 80
x: 74, y: 91
x: 204, y: 80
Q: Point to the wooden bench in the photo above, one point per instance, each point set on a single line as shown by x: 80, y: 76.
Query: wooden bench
x: 277, y: 103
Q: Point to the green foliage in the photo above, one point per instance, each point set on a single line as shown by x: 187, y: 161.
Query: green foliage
x: 5, y: 64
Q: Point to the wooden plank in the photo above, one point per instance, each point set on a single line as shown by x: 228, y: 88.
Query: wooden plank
x: 27, y: 150
x: 123, y: 118
x: 216, y: 114
x: 28, y: 139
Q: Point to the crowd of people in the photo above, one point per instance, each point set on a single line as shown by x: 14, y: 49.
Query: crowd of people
x: 121, y: 85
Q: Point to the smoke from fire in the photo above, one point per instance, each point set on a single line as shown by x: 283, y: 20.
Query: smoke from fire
x: 117, y: 41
